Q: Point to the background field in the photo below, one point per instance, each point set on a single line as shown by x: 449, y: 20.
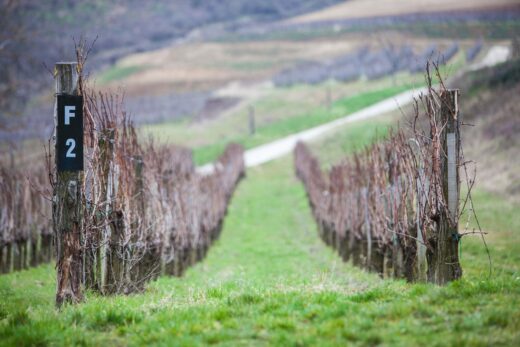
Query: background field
x: 375, y: 8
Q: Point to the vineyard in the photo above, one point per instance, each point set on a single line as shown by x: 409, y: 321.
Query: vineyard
x: 140, y: 210
x: 25, y: 221
x: 147, y: 215
x: 313, y: 173
x: 394, y: 208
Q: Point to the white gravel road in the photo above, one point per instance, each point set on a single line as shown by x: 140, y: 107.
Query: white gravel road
x: 276, y: 149
x: 495, y: 55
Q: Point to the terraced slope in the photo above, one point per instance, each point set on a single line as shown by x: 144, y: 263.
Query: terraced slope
x: 377, y: 8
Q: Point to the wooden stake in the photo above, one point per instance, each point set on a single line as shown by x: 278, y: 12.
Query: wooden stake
x: 329, y: 98
x: 423, y: 186
x: 67, y: 207
x: 446, y: 266
x: 252, y: 126
x: 368, y: 232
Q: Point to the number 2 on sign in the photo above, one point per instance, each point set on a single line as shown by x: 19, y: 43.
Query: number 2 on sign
x: 71, y: 143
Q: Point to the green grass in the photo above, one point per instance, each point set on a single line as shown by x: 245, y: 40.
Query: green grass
x: 334, y: 148
x: 269, y: 280
x: 116, y: 73
x: 252, y: 65
x: 456, y: 29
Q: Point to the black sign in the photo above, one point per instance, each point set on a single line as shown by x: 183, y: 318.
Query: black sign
x: 69, y: 142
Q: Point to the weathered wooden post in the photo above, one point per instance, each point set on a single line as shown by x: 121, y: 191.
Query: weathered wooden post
x: 134, y: 267
x: 423, y: 187
x: 34, y: 250
x: 9, y: 257
x: 446, y: 266
x: 252, y: 126
x: 328, y: 98
x: 46, y: 247
x: 18, y: 232
x: 366, y: 226
x: 115, y: 262
x: 3, y: 260
x: 111, y: 254
x: 67, y: 209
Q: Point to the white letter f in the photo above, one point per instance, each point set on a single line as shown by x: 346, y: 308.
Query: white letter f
x: 69, y: 112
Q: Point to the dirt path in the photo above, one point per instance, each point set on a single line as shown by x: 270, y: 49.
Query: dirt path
x: 496, y: 55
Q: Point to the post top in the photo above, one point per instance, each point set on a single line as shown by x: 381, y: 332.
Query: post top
x: 66, y: 63
x: 453, y: 90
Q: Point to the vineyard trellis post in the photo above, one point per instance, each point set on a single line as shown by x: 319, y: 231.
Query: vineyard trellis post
x: 328, y: 98
x: 366, y: 225
x: 67, y: 207
x: 134, y: 268
x: 423, y: 186
x: 446, y: 266
x: 252, y: 126
x: 18, y: 244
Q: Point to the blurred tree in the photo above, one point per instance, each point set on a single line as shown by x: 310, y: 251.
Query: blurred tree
x: 13, y: 36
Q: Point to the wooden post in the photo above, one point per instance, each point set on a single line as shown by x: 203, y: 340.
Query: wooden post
x: 101, y: 238
x: 252, y: 126
x: 446, y: 266
x: 35, y: 235
x: 329, y: 98
x: 397, y: 252
x: 368, y: 231
x: 4, y: 260
x: 46, y: 247
x: 2, y: 266
x: 7, y: 261
x: 17, y: 231
x: 25, y: 254
x: 89, y: 259
x: 115, y: 262
x: 16, y: 256
x: 423, y: 187
x: 388, y: 266
x: 134, y: 267
x: 67, y: 205
x: 97, y: 240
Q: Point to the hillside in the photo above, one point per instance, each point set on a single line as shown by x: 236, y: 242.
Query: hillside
x: 380, y: 8
x: 492, y: 141
x: 37, y: 34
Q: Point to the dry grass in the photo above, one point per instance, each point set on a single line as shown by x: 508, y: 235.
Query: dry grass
x: 376, y: 8
x: 208, y: 65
